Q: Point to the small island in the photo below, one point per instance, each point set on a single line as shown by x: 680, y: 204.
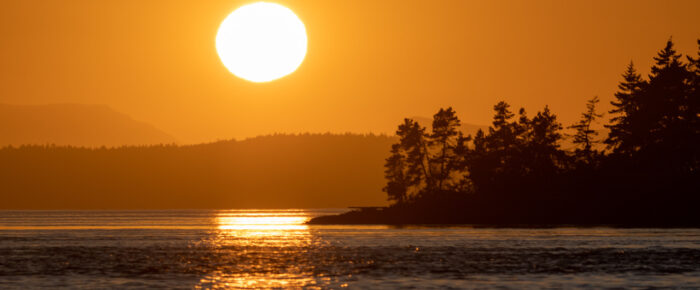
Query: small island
x: 645, y: 173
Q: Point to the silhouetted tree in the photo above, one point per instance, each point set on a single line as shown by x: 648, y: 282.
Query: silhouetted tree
x: 481, y: 165
x: 443, y: 139
x: 585, y: 136
x: 543, y: 146
x: 490, y: 160
x: 414, y: 148
x: 625, y: 109
x: 666, y: 115
x: 502, y: 135
x: 398, y: 181
x: 503, y: 140
x: 463, y: 182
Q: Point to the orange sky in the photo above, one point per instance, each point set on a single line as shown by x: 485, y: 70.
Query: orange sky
x: 369, y: 63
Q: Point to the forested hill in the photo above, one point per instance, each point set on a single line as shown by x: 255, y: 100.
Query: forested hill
x: 277, y: 171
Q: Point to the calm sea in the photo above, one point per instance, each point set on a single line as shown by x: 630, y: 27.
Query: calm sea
x: 273, y: 248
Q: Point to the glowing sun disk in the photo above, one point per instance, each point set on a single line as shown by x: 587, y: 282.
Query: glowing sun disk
x: 261, y: 42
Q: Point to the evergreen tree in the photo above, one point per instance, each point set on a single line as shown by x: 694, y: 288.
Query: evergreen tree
x: 493, y: 158
x: 444, y: 139
x: 502, y: 140
x: 522, y: 127
x: 412, y: 141
x: 502, y: 134
x: 461, y: 170
x: 480, y: 163
x: 666, y: 94
x: 543, y: 147
x: 668, y: 114
x: 625, y: 109
x: 655, y: 121
x: 584, y: 137
x: 398, y: 181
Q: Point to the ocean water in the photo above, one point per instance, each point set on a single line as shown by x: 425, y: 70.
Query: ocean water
x: 204, y: 249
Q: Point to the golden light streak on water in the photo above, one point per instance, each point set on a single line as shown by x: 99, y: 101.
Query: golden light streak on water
x: 277, y: 232
x: 262, y: 222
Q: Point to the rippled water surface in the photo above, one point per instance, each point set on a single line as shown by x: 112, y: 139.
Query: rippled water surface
x: 274, y: 248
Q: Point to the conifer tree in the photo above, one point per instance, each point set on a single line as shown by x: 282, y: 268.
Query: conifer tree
x: 412, y: 142
x: 502, y: 134
x: 666, y: 96
x: 479, y: 162
x: 667, y: 115
x: 654, y: 119
x: 585, y: 136
x: 625, y: 109
x: 444, y: 139
x: 460, y: 164
x: 398, y: 182
x: 543, y: 146
x: 492, y: 158
x: 501, y: 140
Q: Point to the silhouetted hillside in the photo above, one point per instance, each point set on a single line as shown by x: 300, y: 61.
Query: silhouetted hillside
x: 279, y: 171
x: 74, y: 124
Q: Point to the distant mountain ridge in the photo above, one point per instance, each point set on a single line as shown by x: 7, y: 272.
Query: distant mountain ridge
x: 75, y: 125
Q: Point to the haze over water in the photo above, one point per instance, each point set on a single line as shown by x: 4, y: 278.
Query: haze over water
x: 274, y: 248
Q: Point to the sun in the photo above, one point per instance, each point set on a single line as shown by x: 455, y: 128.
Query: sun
x: 261, y: 42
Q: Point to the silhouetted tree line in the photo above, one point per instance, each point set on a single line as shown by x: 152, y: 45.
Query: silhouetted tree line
x: 647, y: 173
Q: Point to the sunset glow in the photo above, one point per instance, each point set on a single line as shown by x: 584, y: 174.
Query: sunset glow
x: 316, y: 144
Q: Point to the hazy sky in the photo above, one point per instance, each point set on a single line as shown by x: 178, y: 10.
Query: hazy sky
x: 369, y: 63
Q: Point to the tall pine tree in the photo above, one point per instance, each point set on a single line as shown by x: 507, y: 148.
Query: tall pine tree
x: 625, y: 108
x: 443, y: 140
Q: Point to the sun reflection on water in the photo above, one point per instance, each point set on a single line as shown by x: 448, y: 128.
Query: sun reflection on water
x: 262, y: 223
x: 259, y: 239
x: 263, y: 228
